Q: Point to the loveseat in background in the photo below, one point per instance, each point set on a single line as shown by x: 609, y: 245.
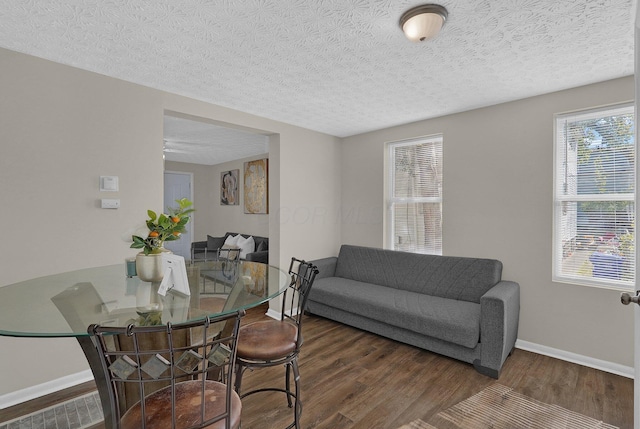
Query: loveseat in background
x: 208, y: 249
x: 458, y: 307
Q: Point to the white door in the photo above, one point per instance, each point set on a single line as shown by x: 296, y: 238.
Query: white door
x: 630, y: 299
x: 636, y: 320
x: 177, y: 186
x: 636, y: 380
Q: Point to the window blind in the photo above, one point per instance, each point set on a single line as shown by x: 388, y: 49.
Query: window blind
x: 415, y: 201
x: 594, y: 207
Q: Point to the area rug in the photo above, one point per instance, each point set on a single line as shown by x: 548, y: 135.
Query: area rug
x: 499, y: 407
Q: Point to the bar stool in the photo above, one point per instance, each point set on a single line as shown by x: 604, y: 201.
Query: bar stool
x: 228, y: 261
x: 277, y: 342
x: 176, y: 381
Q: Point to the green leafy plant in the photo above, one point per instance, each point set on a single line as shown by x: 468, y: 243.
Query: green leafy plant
x: 165, y: 227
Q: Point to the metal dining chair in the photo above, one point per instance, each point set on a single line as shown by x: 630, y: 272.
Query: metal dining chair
x: 277, y: 342
x: 226, y: 272
x: 183, y: 384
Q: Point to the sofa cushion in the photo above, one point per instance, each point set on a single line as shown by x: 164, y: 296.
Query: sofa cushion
x: 458, y: 278
x: 257, y: 239
x: 214, y: 243
x: 446, y: 319
x: 262, y: 244
x: 246, y: 245
x: 232, y: 240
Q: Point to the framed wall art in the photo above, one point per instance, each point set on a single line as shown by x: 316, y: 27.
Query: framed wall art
x: 256, y: 186
x: 229, y: 188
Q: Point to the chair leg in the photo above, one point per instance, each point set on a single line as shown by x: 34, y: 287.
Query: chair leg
x: 288, y: 383
x: 293, y: 397
x: 297, y: 412
x: 239, y: 370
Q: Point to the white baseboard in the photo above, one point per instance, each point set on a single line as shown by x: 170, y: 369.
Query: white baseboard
x: 274, y: 314
x: 32, y: 392
x: 614, y: 368
x: 277, y: 314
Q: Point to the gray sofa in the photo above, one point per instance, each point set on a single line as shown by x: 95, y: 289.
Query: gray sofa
x: 208, y: 249
x: 454, y: 306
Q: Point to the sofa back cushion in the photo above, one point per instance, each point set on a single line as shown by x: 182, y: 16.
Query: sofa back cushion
x: 258, y: 241
x: 214, y: 243
x: 460, y: 278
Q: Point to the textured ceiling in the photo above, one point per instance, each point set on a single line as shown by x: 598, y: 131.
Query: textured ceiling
x: 198, y: 142
x: 341, y: 67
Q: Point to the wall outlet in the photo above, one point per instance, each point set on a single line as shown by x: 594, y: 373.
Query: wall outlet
x: 110, y: 203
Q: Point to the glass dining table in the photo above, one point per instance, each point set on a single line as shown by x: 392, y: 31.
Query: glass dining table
x: 64, y: 305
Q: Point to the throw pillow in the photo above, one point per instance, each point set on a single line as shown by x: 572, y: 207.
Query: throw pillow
x: 263, y: 246
x: 214, y: 243
x: 246, y: 245
x: 232, y: 240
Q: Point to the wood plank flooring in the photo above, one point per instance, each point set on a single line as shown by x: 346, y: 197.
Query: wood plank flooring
x: 352, y: 379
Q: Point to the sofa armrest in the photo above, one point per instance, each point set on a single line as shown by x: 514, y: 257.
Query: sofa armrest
x: 262, y: 257
x: 198, y: 248
x: 199, y: 245
x: 499, y: 317
x: 326, y: 267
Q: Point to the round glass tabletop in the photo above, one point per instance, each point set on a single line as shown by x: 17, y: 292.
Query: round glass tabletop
x: 64, y: 305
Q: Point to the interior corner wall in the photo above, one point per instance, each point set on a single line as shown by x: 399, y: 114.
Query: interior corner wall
x: 309, y: 176
x: 498, y: 203
x: 62, y: 128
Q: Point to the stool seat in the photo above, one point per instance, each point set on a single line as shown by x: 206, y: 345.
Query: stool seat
x: 271, y: 342
x: 267, y: 340
x: 188, y: 394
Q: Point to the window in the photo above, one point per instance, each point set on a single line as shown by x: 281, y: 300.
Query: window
x: 594, y: 203
x: 414, y: 221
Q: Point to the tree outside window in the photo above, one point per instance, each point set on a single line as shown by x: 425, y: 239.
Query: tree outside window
x: 594, y: 239
x: 415, y: 200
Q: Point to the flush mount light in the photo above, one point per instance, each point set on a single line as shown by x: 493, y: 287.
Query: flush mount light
x: 423, y: 22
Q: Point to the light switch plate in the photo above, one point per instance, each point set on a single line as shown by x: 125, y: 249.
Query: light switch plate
x: 109, y: 183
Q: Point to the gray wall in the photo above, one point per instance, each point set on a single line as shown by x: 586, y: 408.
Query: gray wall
x: 61, y: 129
x: 498, y: 195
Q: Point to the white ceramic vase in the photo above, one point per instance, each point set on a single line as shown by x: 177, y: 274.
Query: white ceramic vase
x: 149, y: 267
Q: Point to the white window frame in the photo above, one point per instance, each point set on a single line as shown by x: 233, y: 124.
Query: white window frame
x: 560, y: 200
x: 391, y: 200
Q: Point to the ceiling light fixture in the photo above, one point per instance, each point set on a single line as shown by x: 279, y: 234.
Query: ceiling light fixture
x: 423, y: 22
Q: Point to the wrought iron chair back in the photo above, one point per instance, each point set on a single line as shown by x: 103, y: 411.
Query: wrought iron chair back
x: 228, y: 254
x: 294, y: 299
x: 172, y: 373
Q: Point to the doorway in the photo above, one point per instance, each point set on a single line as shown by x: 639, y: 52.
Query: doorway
x: 206, y: 149
x: 178, y: 185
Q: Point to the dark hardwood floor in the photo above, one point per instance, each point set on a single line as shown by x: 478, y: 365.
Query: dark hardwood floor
x: 357, y: 380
